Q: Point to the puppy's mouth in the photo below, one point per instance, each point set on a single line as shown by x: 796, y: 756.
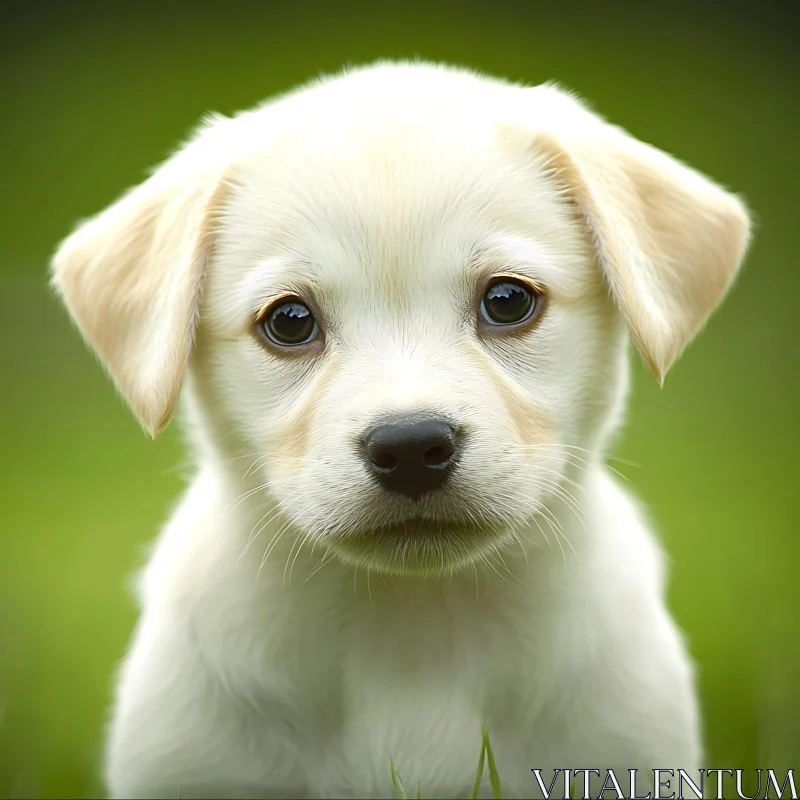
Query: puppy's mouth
x: 417, y: 546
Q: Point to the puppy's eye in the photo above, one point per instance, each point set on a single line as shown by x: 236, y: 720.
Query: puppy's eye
x: 508, y: 302
x: 290, y: 323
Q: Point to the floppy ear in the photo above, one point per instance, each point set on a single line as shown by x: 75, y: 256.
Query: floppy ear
x: 131, y: 278
x: 668, y: 239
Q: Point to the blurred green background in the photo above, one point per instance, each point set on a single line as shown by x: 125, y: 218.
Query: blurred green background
x: 93, y: 95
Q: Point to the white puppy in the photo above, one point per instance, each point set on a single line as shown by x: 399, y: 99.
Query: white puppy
x: 398, y: 302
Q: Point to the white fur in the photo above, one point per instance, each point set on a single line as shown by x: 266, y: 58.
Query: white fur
x: 257, y: 669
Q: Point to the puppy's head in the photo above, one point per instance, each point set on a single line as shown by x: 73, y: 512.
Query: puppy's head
x: 408, y: 290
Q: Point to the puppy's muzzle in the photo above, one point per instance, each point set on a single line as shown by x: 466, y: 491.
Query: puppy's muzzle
x: 411, y: 455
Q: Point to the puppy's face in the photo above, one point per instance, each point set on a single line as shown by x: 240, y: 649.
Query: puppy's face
x: 413, y: 333
x: 414, y: 286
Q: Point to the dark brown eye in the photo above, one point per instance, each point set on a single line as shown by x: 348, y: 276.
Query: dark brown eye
x: 508, y: 302
x: 290, y: 323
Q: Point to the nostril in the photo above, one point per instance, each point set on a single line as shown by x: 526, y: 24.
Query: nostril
x: 383, y: 461
x: 437, y: 456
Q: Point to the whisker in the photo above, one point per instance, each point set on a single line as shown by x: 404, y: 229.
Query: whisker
x: 573, y: 505
x: 299, y: 548
x: 519, y: 541
x: 492, y: 567
x: 604, y: 457
x: 250, y: 468
x: 558, y: 541
x: 326, y: 557
x: 566, y: 458
x: 277, y: 536
x: 272, y: 513
x: 549, y: 544
x: 598, y: 453
x: 559, y: 530
x: 267, y: 485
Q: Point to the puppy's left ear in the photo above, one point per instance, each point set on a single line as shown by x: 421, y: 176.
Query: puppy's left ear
x: 668, y: 239
x: 131, y: 279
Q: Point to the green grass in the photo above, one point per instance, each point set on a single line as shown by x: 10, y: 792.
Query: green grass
x: 486, y: 755
x: 751, y: 784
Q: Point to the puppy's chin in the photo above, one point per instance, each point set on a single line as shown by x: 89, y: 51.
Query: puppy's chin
x: 425, y: 548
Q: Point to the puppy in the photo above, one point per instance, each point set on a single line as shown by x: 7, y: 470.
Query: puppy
x: 397, y: 305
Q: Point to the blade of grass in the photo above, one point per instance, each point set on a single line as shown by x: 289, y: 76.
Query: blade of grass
x: 479, y: 774
x: 494, y: 777
x: 398, y: 784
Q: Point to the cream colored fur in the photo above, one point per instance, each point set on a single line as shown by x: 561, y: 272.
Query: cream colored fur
x: 300, y: 625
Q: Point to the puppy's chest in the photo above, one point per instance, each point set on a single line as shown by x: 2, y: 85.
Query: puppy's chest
x: 424, y: 717
x: 418, y: 695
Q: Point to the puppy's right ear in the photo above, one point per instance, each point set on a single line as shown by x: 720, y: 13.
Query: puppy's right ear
x: 131, y: 278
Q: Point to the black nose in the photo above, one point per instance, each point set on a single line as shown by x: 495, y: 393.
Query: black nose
x: 411, y: 455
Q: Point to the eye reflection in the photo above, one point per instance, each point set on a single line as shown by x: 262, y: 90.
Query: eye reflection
x: 508, y: 302
x: 290, y: 323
